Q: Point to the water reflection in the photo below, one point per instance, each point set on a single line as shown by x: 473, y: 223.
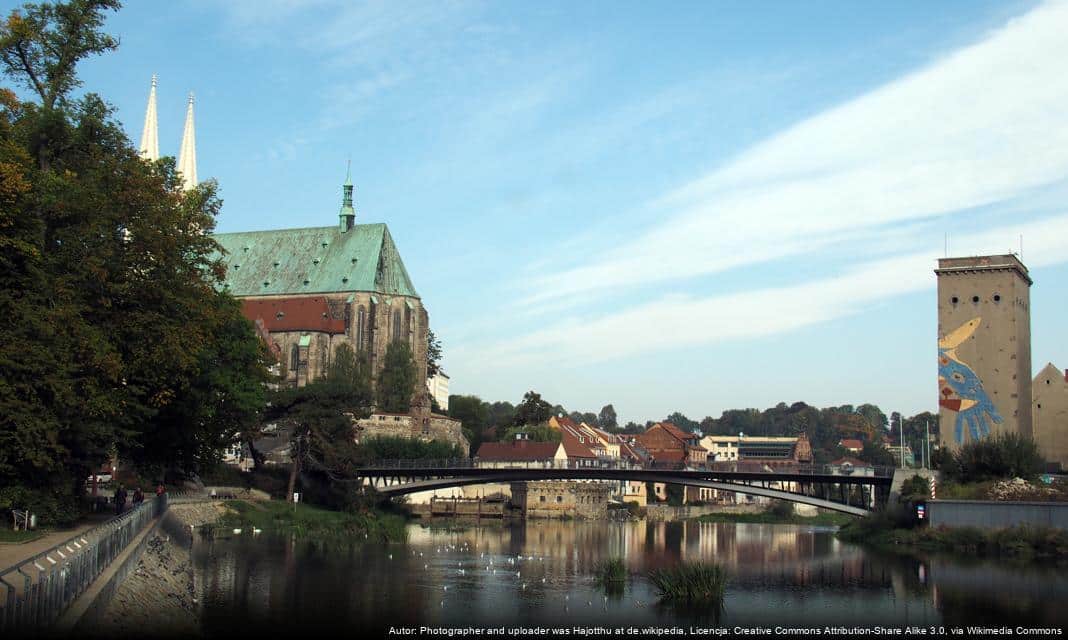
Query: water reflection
x: 541, y: 573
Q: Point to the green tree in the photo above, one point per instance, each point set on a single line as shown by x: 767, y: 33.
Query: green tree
x: 532, y: 410
x: 320, y: 417
x: 607, y: 417
x: 875, y: 453
x: 433, y: 354
x: 474, y: 414
x: 113, y: 280
x: 536, y: 433
x: 396, y: 382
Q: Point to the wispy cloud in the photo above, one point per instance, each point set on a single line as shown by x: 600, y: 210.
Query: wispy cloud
x: 982, y: 125
x: 680, y: 321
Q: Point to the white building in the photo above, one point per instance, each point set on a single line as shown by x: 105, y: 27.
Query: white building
x: 438, y: 386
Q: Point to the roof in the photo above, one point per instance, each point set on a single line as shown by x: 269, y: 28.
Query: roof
x: 850, y: 460
x: 851, y: 443
x: 313, y: 260
x: 684, y: 436
x: 517, y: 451
x: 295, y: 314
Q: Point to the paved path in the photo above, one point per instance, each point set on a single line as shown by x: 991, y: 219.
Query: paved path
x: 11, y: 554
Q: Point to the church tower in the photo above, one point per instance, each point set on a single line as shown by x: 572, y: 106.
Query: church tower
x: 150, y: 134
x: 984, y: 348
x: 187, y: 155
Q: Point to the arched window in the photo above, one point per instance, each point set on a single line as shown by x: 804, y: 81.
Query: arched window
x: 361, y: 317
x: 295, y: 359
x: 396, y: 324
x: 408, y: 325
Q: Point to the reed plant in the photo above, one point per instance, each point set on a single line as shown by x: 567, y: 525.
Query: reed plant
x: 696, y: 583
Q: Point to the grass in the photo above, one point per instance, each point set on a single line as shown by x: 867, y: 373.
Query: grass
x: 309, y: 521
x: 7, y: 536
x: 832, y: 518
x: 1020, y: 544
x: 692, y: 583
x: 611, y: 575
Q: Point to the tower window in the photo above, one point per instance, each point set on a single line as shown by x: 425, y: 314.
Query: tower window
x: 954, y: 299
x: 975, y: 299
x: 997, y: 297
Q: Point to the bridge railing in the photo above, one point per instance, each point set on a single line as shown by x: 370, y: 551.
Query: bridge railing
x: 616, y: 463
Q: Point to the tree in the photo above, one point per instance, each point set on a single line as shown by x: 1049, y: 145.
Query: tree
x: 875, y: 453
x: 874, y: 415
x: 607, y: 417
x: 116, y: 331
x: 433, y: 354
x: 532, y: 410
x: 682, y: 422
x: 396, y: 382
x: 473, y: 413
x: 320, y: 415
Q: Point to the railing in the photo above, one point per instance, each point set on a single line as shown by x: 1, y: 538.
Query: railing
x: 614, y: 463
x: 39, y: 589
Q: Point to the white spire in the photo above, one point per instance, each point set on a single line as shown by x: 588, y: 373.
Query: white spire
x: 187, y: 156
x: 150, y: 134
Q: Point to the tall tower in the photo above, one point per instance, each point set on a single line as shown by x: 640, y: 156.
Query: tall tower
x: 984, y: 348
x: 187, y: 155
x: 347, y: 217
x: 150, y: 134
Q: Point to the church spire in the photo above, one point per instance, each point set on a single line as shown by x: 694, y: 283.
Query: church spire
x: 348, y: 211
x: 150, y: 134
x: 187, y: 156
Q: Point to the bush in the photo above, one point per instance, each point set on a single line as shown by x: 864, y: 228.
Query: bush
x: 915, y: 489
x: 611, y: 575
x: 1001, y: 456
x: 704, y: 583
x: 781, y: 509
x: 394, y: 448
x: 52, y: 508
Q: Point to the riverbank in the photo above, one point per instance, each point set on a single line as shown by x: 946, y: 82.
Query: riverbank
x: 160, y: 594
x: 305, y: 520
x: 829, y: 519
x: 1020, y: 544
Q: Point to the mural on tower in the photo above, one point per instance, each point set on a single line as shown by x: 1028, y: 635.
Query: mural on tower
x: 961, y: 390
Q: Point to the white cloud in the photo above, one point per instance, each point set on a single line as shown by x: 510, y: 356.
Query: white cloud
x: 686, y: 321
x: 982, y: 125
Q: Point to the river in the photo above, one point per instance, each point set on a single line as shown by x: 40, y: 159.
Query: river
x: 540, y: 573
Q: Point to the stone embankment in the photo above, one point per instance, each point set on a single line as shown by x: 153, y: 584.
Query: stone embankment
x: 160, y: 594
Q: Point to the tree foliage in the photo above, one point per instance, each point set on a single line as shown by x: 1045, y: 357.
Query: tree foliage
x: 433, y: 354
x: 1000, y: 456
x: 606, y: 419
x: 116, y: 335
x: 532, y: 410
x: 396, y: 382
x: 389, y: 448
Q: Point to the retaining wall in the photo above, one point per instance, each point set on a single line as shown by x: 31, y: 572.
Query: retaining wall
x: 997, y: 515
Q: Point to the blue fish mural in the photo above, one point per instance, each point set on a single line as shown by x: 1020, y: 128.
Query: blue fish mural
x: 961, y: 390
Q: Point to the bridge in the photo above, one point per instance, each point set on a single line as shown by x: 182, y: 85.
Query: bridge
x: 855, y: 491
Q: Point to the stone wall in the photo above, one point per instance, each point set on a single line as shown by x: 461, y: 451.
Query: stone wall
x: 562, y: 499
x: 395, y: 425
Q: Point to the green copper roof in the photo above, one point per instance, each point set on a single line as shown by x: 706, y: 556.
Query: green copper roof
x: 314, y: 260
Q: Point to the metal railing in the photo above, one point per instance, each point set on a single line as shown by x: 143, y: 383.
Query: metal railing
x: 39, y: 590
x: 621, y: 464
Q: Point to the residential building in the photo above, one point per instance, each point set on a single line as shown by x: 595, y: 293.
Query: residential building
x: 666, y: 444
x: 1049, y: 391
x: 852, y: 445
x: 438, y: 386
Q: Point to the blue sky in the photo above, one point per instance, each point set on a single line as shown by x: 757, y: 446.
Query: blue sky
x: 665, y: 206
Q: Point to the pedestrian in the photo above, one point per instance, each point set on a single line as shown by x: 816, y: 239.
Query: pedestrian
x: 160, y: 490
x: 120, y: 500
x: 138, y: 497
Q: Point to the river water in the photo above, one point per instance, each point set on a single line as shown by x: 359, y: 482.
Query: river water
x: 540, y: 573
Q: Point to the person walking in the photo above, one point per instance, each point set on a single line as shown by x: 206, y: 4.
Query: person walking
x: 138, y: 496
x: 120, y: 500
x: 160, y: 490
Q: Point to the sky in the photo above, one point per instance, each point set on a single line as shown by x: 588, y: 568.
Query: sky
x: 686, y: 206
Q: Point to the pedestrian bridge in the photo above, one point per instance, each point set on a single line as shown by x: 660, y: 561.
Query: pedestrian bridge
x: 856, y: 491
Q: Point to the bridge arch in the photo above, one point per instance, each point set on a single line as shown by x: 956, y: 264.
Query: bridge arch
x: 517, y: 476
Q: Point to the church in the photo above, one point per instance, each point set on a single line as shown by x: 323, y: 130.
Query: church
x: 312, y: 289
